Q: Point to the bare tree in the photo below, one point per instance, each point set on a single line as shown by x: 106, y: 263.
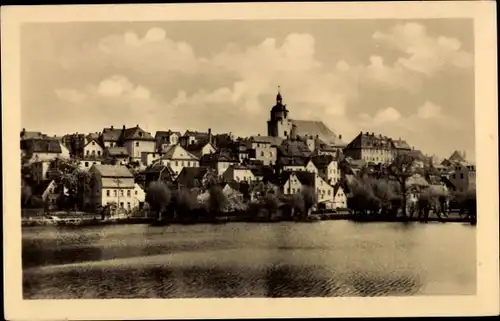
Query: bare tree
x: 401, y: 169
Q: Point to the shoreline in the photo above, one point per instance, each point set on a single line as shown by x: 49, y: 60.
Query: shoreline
x: 76, y: 222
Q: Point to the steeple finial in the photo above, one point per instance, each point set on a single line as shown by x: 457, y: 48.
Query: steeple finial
x: 278, y: 97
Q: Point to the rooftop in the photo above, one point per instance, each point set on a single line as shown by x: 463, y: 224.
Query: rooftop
x: 113, y: 171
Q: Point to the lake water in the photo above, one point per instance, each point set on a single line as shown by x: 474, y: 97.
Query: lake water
x: 329, y: 258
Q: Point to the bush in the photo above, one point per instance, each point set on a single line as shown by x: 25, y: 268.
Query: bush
x: 158, y: 196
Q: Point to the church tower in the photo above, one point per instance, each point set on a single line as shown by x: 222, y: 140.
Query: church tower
x: 279, y: 125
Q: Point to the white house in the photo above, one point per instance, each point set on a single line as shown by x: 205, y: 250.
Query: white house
x: 293, y: 182
x: 92, y: 149
x: 178, y: 158
x: 136, y: 141
x: 328, y: 168
x: 238, y: 173
x: 340, y: 197
x: 42, y: 149
x: 113, y: 184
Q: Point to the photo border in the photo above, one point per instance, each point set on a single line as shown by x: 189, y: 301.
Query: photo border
x: 485, y: 302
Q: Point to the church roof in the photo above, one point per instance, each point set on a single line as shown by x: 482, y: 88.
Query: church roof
x: 315, y: 129
x: 457, y: 157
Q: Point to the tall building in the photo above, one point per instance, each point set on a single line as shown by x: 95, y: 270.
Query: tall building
x: 279, y: 125
x: 370, y: 147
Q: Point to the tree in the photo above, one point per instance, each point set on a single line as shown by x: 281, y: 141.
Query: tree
x: 217, y: 200
x: 309, y: 196
x: 401, y: 169
x: 184, y: 202
x: 26, y: 194
x: 158, y: 196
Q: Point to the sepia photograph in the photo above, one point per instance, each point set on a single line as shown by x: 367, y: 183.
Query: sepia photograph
x: 289, y: 158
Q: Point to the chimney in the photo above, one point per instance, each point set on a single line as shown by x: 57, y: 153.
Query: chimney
x: 123, y: 127
x: 111, y: 127
x: 137, y: 126
x: 340, y: 136
x: 373, y: 134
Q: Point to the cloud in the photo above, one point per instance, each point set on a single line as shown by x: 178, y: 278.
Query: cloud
x: 429, y: 111
x: 120, y: 86
x: 70, y: 95
x: 424, y: 53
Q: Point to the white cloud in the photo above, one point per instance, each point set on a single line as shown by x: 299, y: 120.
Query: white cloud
x: 429, y: 110
x: 70, y: 95
x: 425, y: 53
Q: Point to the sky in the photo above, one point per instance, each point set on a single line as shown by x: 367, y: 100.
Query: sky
x: 406, y: 79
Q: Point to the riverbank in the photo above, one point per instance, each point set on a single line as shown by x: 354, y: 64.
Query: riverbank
x: 78, y: 222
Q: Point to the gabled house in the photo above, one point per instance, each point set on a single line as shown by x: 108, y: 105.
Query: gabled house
x: 165, y: 139
x: 193, y: 177
x: 238, y: 173
x: 92, y: 149
x: 116, y: 155
x: 47, y: 191
x: 340, y: 199
x: 158, y: 172
x: 263, y: 148
x: 201, y: 148
x: 463, y: 176
x: 31, y: 134
x: 178, y: 158
x: 113, y: 184
x: 110, y: 137
x: 136, y: 141
x: 148, y: 158
x: 193, y: 137
x: 40, y: 170
x: 220, y: 161
x: 292, y: 163
x: 43, y: 149
x: 311, y: 167
x: 293, y: 182
x: 328, y: 168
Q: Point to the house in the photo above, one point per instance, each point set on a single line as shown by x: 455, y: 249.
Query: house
x: 86, y: 163
x: 42, y: 149
x: 311, y: 167
x: 260, y: 171
x: 136, y: 141
x: 201, y: 148
x: 113, y: 184
x: 148, y: 158
x: 292, y: 164
x: 327, y: 168
x: 177, y: 158
x: 220, y: 161
x: 31, y: 134
x: 75, y: 144
x: 370, y: 147
x: 40, y: 170
x: 340, y: 199
x: 47, y: 191
x: 263, y: 148
x: 110, y: 137
x: 118, y: 155
x: 193, y: 177
x: 92, y: 148
x: 165, y: 139
x: 293, y: 182
x: 238, y: 173
x: 139, y: 196
x: 463, y: 176
x: 192, y: 137
x: 158, y: 172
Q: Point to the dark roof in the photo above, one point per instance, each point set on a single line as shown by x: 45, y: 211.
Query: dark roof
x: 315, y: 129
x: 29, y: 135
x: 305, y: 178
x: 191, y: 176
x: 294, y: 148
x: 222, y: 155
x: 370, y: 140
x: 322, y: 161
x: 197, y: 147
x: 111, y: 134
x: 117, y: 151
x: 113, y: 171
x: 262, y: 171
x: 418, y: 155
x: 45, y: 145
x: 293, y: 161
x: 274, y: 141
x: 136, y: 133
x: 456, y: 157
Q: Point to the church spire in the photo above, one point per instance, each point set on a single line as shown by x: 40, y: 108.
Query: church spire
x: 279, y: 99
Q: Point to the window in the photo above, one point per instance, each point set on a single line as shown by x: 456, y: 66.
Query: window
x: 121, y: 192
x: 107, y: 193
x: 128, y: 193
x: 286, y: 133
x: 453, y: 176
x: 329, y: 192
x: 262, y: 154
x: 121, y: 204
x: 182, y: 163
x: 114, y: 192
x: 86, y: 164
x: 98, y: 153
x: 135, y: 192
x: 87, y: 152
x: 176, y: 163
x: 128, y: 205
x: 462, y: 176
x: 136, y: 144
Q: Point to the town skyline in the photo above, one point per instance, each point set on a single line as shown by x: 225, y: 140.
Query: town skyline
x: 407, y: 79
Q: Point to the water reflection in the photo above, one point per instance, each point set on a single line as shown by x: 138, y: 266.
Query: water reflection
x: 249, y: 260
